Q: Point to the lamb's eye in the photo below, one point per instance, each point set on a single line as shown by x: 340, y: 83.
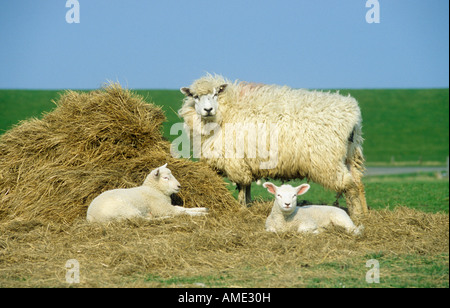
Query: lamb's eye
x: 196, y: 97
x: 279, y: 195
x: 166, y: 178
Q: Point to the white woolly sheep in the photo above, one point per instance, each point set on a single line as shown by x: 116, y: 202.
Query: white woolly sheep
x: 299, y: 134
x: 287, y: 216
x: 150, y: 200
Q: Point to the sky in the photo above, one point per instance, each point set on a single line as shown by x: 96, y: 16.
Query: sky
x: 149, y: 44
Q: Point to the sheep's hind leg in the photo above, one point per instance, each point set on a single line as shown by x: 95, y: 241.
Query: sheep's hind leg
x: 356, y: 201
x: 355, y: 195
x: 244, y: 196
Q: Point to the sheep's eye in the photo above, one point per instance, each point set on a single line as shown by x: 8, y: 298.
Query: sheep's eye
x: 165, y: 178
x: 196, y: 97
x: 279, y: 195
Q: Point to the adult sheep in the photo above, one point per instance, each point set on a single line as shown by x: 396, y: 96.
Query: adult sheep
x: 251, y: 131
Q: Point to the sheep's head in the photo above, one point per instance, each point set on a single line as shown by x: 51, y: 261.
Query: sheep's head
x: 286, y: 195
x: 162, y: 179
x: 206, y: 105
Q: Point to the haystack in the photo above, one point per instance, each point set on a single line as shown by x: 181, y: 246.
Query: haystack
x: 51, y: 168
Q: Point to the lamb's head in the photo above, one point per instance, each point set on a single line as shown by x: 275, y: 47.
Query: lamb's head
x: 206, y: 105
x: 163, y: 179
x: 286, y: 195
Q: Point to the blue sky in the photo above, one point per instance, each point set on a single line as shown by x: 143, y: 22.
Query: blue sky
x: 167, y: 44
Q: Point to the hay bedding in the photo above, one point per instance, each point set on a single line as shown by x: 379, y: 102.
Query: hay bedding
x: 52, y: 168
x: 233, y: 249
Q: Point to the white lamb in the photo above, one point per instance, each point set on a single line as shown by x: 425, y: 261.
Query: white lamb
x: 287, y: 216
x: 150, y: 200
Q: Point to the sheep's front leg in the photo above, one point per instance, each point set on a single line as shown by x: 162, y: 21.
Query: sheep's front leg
x: 244, y: 196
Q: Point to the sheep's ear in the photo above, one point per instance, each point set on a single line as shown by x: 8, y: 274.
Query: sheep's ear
x: 164, y: 166
x: 270, y: 187
x: 186, y: 91
x: 221, y: 88
x: 155, y: 173
x: 302, y: 189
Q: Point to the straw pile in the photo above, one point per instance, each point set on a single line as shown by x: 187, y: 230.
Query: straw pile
x: 52, y: 168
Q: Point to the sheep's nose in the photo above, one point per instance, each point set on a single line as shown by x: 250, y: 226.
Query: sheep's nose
x: 208, y: 110
x: 287, y: 204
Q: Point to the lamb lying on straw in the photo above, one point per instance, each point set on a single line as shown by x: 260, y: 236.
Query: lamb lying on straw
x: 52, y: 168
x: 150, y: 200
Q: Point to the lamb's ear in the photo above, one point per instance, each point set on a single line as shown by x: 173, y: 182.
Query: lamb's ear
x: 302, y: 189
x: 186, y: 91
x: 221, y: 88
x: 164, y: 166
x: 155, y: 173
x: 270, y: 187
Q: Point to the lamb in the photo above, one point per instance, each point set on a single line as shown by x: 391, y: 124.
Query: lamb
x: 150, y: 200
x: 270, y: 131
x: 287, y: 216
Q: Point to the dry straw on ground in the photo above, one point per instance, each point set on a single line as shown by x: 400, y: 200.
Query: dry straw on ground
x: 51, y: 168
x: 218, y: 250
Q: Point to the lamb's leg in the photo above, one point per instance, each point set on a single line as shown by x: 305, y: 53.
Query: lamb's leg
x: 343, y: 220
x: 308, y: 227
x: 197, y: 211
x: 191, y: 211
x: 150, y: 216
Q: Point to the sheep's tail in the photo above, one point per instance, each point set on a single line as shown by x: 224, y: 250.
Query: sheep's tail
x: 355, y: 158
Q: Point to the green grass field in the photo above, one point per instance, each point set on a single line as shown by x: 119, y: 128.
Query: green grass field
x: 409, y: 126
